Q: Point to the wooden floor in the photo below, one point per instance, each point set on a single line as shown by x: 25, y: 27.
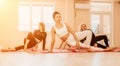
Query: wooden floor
x: 60, y: 59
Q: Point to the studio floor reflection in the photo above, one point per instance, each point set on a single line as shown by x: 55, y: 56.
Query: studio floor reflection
x: 60, y: 59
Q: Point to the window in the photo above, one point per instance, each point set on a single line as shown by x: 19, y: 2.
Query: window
x: 106, y: 23
x: 95, y: 22
x: 31, y: 13
x: 101, y: 17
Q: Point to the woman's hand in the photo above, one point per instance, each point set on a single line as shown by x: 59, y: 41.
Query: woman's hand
x: 50, y: 51
x: 95, y: 45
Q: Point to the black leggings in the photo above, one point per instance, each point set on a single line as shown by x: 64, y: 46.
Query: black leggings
x: 32, y: 42
x: 102, y: 37
x: 98, y: 38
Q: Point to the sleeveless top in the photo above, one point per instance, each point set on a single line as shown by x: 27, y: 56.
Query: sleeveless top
x: 62, y: 31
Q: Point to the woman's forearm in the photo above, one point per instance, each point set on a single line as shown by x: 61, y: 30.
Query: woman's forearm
x: 77, y: 40
x: 61, y: 45
x: 64, y: 45
x: 52, y: 45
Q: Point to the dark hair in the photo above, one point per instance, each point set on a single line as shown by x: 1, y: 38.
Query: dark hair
x: 42, y: 25
x: 54, y: 13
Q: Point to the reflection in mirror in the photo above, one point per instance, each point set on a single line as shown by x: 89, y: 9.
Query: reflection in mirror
x: 96, y: 15
x: 100, y: 17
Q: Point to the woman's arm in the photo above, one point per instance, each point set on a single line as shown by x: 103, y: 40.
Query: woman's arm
x: 73, y: 33
x: 53, y: 39
x: 64, y: 45
x: 44, y: 41
x: 61, y: 45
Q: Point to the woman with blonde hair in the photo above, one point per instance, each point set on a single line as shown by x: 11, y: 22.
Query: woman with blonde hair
x: 32, y: 39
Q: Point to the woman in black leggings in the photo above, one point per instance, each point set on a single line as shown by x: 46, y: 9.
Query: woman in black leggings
x: 34, y: 38
x: 95, y: 38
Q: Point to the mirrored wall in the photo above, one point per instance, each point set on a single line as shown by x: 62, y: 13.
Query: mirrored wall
x: 96, y: 15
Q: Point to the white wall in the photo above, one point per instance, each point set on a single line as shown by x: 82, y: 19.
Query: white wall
x: 82, y: 16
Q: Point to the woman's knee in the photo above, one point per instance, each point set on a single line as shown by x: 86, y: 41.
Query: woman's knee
x: 89, y: 32
x: 24, y: 40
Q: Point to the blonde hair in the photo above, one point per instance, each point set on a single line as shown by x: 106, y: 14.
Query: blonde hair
x: 42, y: 26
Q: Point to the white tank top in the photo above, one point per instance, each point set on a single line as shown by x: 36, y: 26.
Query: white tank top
x: 62, y: 31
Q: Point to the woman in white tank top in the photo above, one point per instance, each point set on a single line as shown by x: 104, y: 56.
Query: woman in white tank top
x: 65, y: 32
